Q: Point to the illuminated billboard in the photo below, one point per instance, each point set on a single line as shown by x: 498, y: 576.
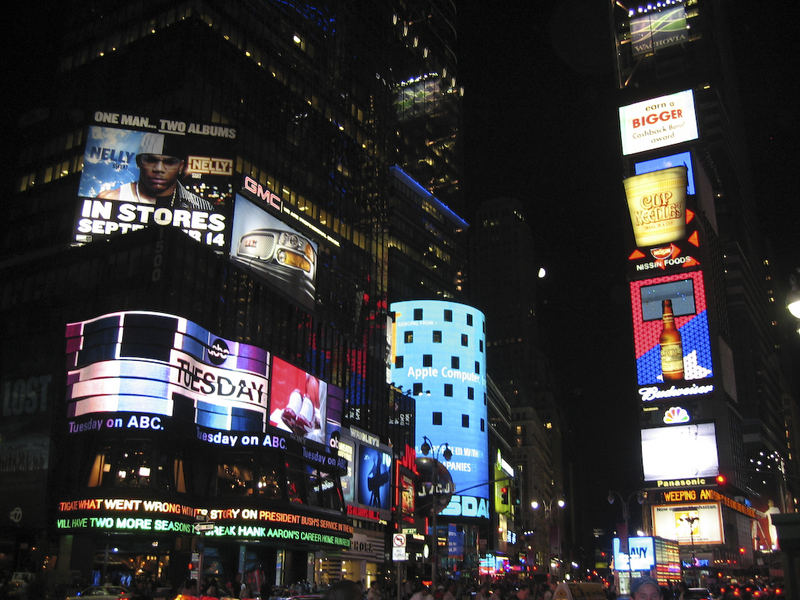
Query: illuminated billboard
x: 374, y: 477
x: 273, y: 250
x: 300, y: 403
x: 680, y: 452
x: 641, y: 551
x: 682, y: 159
x: 367, y: 485
x: 439, y: 356
x: 418, y: 96
x: 139, y: 171
x: 159, y: 365
x: 657, y: 206
x: 689, y: 524
x: 658, y: 122
x: 156, y: 517
x: 671, y: 336
x: 657, y: 30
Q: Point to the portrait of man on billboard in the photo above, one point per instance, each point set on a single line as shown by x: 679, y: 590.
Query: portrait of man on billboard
x: 161, y: 160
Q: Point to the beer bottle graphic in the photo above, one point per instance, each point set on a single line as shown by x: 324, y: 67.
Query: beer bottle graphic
x: 671, y: 345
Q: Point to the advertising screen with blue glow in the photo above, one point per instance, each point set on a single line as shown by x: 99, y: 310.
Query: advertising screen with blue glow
x: 165, y: 366
x: 687, y: 295
x: 667, y: 162
x: 439, y: 356
x: 374, y: 477
x: 641, y: 551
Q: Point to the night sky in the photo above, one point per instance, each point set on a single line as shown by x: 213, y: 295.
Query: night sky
x: 541, y: 125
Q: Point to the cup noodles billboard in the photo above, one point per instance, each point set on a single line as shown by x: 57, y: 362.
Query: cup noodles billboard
x: 679, y: 452
x: 699, y: 523
x: 140, y: 171
x: 657, y: 206
x: 658, y: 122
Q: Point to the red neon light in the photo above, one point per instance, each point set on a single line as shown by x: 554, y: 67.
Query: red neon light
x: 635, y: 255
x: 689, y: 215
x: 694, y: 239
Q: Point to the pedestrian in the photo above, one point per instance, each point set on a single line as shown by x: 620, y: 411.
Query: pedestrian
x: 645, y: 588
x: 344, y: 590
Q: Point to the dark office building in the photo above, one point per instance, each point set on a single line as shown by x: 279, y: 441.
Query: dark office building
x: 680, y: 116
x: 265, y: 132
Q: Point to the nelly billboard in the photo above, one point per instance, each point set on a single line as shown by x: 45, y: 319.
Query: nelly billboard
x: 139, y: 172
x: 439, y: 355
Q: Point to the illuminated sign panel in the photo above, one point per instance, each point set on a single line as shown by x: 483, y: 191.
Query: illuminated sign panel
x: 374, y: 477
x: 679, y: 452
x: 158, y: 364
x: 139, y: 171
x: 657, y: 30
x: 154, y: 516
x: 657, y: 206
x: 440, y: 357
x: 658, y: 122
x: 682, y: 159
x: 299, y: 402
x: 274, y: 251
x: 641, y: 551
x: 138, y: 370
x: 699, y: 523
x: 686, y: 294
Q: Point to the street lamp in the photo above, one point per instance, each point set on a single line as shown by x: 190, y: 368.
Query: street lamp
x: 547, y: 506
x: 626, y: 518
x: 793, y: 297
x: 691, y: 520
x: 447, y: 454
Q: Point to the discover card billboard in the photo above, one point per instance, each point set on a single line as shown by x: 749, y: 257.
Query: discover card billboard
x: 139, y: 171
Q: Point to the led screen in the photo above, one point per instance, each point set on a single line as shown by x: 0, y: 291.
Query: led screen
x: 679, y: 452
x: 689, y: 524
x: 658, y: 122
x: 298, y: 402
x: 418, y: 96
x: 159, y: 364
x: 640, y: 549
x: 273, y: 250
x: 139, y: 171
x: 439, y: 357
x: 682, y: 159
x: 374, y: 477
x: 687, y: 293
x: 657, y: 30
x: 681, y: 293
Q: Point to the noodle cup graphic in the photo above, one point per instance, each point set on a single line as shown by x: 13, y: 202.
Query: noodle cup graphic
x: 657, y: 204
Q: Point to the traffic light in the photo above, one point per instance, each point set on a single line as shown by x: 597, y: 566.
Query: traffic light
x: 504, y: 495
x: 721, y: 479
x: 515, y: 494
